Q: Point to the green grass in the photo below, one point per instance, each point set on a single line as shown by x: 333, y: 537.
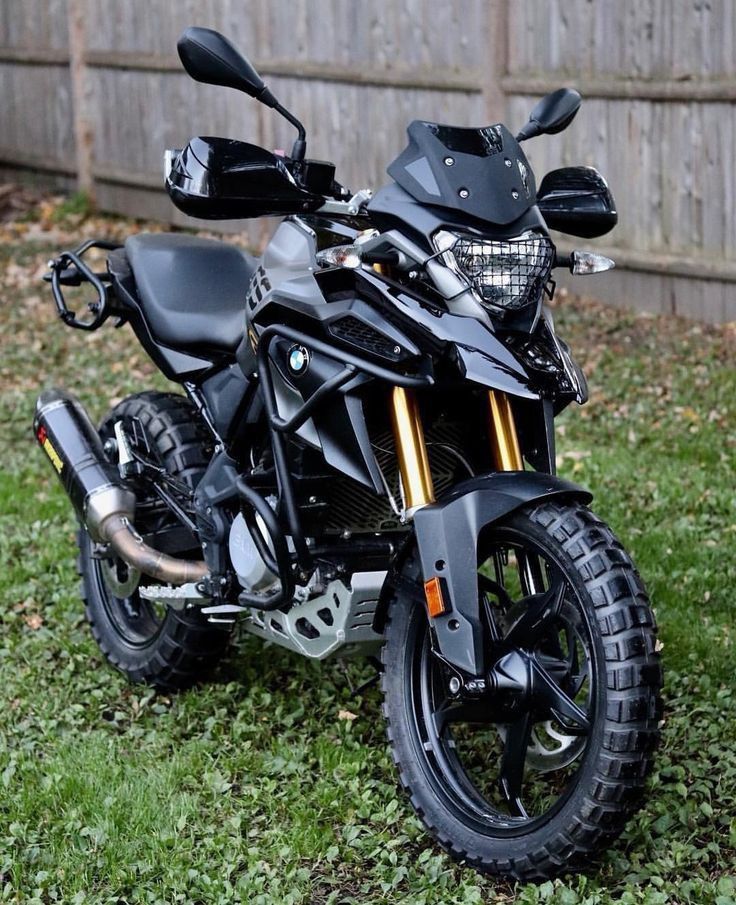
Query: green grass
x: 77, y: 205
x: 255, y: 788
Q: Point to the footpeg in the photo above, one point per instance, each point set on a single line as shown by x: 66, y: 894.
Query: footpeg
x: 178, y: 598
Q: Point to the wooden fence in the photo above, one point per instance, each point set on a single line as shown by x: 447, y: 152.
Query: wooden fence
x: 92, y: 91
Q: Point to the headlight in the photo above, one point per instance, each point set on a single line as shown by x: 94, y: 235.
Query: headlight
x: 508, y: 274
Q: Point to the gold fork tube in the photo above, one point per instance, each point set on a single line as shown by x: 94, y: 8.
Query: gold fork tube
x: 504, y: 440
x: 411, y: 450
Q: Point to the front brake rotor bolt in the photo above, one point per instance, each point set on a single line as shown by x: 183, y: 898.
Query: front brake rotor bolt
x: 454, y: 685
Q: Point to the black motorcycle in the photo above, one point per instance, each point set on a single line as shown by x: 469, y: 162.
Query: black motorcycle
x: 363, y: 463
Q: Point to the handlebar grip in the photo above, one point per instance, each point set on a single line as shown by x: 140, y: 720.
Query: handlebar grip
x: 391, y: 258
x: 563, y: 261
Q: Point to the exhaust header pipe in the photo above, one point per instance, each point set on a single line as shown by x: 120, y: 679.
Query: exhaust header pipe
x: 102, y: 502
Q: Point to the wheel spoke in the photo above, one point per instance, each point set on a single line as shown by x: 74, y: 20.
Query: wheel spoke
x: 572, y: 649
x: 530, y: 573
x: 489, y: 586
x: 555, y: 667
x: 540, y: 611
x: 577, y: 676
x: 548, y: 692
x: 462, y: 712
x: 511, y: 775
x: 494, y: 631
x: 577, y: 682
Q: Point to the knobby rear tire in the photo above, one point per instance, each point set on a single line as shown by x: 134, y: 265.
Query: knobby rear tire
x: 611, y: 780
x: 184, y: 648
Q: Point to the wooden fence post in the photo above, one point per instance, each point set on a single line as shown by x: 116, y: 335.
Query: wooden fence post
x: 494, y: 62
x: 81, y: 101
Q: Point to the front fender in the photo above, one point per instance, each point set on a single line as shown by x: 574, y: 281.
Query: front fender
x: 447, y: 538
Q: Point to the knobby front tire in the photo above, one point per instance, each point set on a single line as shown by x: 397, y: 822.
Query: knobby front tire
x: 587, y: 732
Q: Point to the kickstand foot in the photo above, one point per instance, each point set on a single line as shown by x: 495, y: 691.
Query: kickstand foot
x: 357, y: 690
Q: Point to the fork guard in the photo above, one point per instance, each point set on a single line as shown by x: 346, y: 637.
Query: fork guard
x: 447, y: 537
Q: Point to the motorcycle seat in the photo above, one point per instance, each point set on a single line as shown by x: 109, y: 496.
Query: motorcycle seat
x: 192, y: 291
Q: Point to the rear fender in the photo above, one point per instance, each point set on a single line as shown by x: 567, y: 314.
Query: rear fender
x: 447, y: 538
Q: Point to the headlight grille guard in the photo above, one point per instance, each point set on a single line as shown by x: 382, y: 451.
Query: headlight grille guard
x: 505, y: 274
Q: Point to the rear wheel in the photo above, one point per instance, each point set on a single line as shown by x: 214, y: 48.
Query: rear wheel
x: 146, y: 640
x: 545, y: 766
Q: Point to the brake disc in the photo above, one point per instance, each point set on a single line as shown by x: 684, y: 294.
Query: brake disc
x: 120, y: 578
x: 550, y: 749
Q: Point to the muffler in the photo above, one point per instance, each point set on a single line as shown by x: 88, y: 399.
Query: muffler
x: 102, y: 502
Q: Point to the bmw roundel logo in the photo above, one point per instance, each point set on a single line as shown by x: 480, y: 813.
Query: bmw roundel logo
x: 298, y: 360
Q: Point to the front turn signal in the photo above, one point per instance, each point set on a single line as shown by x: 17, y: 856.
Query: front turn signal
x: 583, y: 262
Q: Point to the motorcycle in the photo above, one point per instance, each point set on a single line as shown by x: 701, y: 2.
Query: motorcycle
x: 362, y: 463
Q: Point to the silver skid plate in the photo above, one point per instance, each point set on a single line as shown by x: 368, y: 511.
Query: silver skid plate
x: 338, y: 622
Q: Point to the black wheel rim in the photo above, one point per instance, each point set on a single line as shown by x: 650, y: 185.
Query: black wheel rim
x: 136, y: 621
x: 506, y: 761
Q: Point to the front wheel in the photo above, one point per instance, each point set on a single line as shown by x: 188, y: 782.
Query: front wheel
x: 543, y: 768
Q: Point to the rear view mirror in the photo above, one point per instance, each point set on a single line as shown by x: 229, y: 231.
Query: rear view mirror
x: 552, y: 114
x: 209, y: 57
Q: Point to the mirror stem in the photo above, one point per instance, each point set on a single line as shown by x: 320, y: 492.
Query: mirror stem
x: 300, y: 145
x: 530, y: 130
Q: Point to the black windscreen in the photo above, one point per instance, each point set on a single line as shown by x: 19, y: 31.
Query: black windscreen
x: 481, y: 172
x: 483, y: 142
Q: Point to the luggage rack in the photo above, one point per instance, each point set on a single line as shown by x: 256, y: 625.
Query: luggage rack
x: 69, y: 269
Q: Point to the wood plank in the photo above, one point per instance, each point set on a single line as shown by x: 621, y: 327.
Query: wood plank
x: 23, y: 160
x: 431, y: 77
x: 137, y: 179
x: 620, y: 88
x: 37, y: 56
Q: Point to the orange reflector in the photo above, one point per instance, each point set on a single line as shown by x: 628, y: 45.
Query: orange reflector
x: 433, y: 593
